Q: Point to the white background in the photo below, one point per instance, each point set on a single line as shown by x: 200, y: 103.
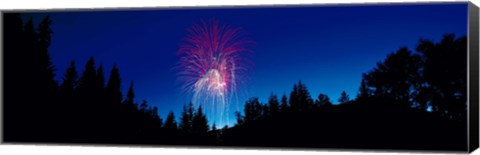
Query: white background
x: 107, y: 150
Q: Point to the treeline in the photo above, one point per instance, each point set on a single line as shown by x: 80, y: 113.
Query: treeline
x: 81, y: 108
x: 410, y: 100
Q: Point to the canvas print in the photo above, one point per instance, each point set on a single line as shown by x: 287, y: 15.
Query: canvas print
x: 377, y: 76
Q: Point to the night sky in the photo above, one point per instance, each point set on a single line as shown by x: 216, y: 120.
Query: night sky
x: 326, y: 47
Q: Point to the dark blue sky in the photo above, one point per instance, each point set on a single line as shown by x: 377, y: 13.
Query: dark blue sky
x: 326, y: 47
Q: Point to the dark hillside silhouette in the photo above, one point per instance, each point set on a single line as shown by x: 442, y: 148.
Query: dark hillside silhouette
x: 410, y: 100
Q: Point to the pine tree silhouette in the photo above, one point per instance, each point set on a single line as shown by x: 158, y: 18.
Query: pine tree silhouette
x: 187, y: 118
x: 200, y: 125
x: 284, y: 104
x: 273, y: 105
x: 170, y: 125
x: 113, y: 99
x: 70, y: 82
x: 343, y: 97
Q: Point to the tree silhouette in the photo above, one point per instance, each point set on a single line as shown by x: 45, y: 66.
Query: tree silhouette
x: 187, y: 118
x: 199, y: 122
x: 88, y: 81
x: 45, y: 64
x: 88, y: 93
x: 284, y: 104
x: 70, y: 81
x: 214, y: 127
x: 113, y: 90
x: 129, y: 111
x: 170, y: 125
x: 343, y: 97
x: 293, y: 99
x: 300, y: 100
x: 240, y: 118
x: 113, y: 99
x: 363, y: 91
x: 253, y: 110
x: 143, y: 106
x: 151, y: 122
x: 129, y: 101
x: 323, y: 101
x: 396, y: 76
x: 101, y: 103
x: 273, y: 105
x: 447, y: 80
x: 68, y: 95
x: 43, y: 87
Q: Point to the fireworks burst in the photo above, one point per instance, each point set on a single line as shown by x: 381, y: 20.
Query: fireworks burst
x: 212, y: 64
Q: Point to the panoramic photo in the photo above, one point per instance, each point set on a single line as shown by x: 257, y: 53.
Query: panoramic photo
x: 376, y: 76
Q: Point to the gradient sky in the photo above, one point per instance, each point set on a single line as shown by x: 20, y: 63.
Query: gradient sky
x: 326, y: 47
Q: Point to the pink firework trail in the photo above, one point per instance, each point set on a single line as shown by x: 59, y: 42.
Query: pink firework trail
x: 212, y: 64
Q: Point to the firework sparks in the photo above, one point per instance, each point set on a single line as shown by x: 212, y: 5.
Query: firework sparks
x: 212, y: 64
